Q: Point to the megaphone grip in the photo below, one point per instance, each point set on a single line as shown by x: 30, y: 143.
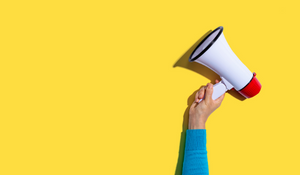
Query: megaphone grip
x: 218, y: 90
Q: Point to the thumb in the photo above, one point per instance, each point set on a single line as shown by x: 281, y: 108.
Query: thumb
x: 209, y: 92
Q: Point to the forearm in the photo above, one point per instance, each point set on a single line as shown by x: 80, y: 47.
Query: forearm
x: 195, y: 154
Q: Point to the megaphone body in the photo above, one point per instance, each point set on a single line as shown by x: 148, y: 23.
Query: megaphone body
x: 215, y: 53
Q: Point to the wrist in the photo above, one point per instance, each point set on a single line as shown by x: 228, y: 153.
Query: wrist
x: 200, y: 125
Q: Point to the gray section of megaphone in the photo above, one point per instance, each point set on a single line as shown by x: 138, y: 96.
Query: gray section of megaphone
x: 217, y: 55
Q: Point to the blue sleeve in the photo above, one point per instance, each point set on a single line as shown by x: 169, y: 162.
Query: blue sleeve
x: 195, y: 154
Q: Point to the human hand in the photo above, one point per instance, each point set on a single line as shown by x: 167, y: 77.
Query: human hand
x: 199, y: 112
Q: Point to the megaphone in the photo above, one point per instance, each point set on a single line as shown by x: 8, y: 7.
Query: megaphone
x: 215, y: 53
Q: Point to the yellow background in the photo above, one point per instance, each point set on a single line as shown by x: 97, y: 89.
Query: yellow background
x: 103, y: 87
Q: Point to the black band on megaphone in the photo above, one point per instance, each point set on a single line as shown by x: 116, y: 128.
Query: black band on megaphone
x: 208, y: 46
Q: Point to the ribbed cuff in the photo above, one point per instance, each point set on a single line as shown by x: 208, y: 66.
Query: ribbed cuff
x: 195, y: 139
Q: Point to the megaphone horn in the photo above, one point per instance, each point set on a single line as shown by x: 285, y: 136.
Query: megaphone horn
x: 215, y: 53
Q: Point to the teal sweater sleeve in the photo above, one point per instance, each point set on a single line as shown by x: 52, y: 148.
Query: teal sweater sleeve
x: 195, y: 154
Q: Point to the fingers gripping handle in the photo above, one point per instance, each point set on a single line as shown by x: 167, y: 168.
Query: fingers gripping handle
x: 219, y: 89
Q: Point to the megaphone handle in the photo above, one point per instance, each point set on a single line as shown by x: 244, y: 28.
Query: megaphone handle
x: 219, y: 89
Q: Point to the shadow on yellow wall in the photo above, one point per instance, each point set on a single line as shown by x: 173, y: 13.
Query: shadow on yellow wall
x: 178, y: 170
x: 183, y: 62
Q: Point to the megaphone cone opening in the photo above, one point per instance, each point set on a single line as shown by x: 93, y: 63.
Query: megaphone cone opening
x: 206, y: 43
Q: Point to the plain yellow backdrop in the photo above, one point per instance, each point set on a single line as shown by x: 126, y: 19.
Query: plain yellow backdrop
x: 102, y: 87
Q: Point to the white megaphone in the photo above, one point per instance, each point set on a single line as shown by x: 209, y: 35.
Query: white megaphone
x: 215, y: 53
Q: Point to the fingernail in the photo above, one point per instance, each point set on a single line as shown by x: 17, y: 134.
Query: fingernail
x: 210, y: 86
